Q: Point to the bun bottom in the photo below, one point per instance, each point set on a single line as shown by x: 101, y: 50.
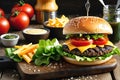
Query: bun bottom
x: 96, y: 62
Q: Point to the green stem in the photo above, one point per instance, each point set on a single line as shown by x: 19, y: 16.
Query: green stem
x: 15, y: 13
x: 0, y: 14
x: 21, y: 2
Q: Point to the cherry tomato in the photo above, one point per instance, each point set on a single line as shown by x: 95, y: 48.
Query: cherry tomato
x: 100, y: 41
x: 81, y: 42
x: 4, y: 25
x: 2, y: 12
x: 24, y: 7
x: 19, y: 20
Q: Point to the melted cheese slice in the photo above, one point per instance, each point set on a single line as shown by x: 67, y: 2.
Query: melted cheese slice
x: 83, y: 48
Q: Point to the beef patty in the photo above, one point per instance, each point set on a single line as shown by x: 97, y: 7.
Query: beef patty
x: 97, y: 51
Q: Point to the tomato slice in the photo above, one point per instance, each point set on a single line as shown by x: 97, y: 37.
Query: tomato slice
x: 100, y: 41
x: 81, y: 42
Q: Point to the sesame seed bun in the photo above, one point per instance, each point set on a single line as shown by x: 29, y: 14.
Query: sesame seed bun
x: 87, y: 25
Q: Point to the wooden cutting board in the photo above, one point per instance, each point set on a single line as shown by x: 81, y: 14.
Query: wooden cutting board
x: 61, y: 69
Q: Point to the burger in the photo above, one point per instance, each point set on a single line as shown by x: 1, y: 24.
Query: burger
x: 87, y: 41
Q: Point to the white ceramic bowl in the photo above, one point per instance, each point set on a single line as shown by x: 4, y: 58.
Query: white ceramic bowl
x: 9, y: 41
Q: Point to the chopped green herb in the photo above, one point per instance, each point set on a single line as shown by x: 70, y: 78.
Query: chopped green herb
x: 10, y: 37
x: 86, y: 36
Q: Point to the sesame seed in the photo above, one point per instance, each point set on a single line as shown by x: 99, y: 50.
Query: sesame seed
x: 38, y: 70
x: 34, y: 70
x: 29, y: 69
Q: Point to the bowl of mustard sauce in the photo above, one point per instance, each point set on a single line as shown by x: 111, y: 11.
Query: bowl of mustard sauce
x: 33, y: 35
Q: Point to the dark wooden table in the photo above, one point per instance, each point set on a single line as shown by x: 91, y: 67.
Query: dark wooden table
x: 12, y: 74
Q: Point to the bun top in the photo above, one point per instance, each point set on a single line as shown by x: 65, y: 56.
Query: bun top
x: 87, y: 25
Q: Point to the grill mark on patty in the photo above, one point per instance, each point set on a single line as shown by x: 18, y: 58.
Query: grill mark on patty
x: 66, y: 49
x: 76, y: 51
x: 103, y: 50
x: 108, y: 48
x: 97, y: 51
x: 100, y: 50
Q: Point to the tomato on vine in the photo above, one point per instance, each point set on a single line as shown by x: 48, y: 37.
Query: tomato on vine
x: 4, y: 25
x: 19, y: 20
x: 24, y: 7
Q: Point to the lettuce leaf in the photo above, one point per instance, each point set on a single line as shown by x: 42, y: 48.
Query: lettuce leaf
x: 48, y: 50
x: 86, y: 36
x: 9, y: 53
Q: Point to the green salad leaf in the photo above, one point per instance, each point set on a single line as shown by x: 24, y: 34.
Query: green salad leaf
x: 48, y: 50
x: 86, y: 36
x: 9, y: 53
x: 96, y: 36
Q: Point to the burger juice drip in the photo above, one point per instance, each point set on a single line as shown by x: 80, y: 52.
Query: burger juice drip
x: 87, y: 6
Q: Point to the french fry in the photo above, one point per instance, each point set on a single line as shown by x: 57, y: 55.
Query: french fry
x: 26, y: 51
x: 29, y: 49
x: 17, y: 47
x: 58, y: 22
x: 27, y: 58
x: 22, y: 48
x: 34, y: 51
x: 30, y: 55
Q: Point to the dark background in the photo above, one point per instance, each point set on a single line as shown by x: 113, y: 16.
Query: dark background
x: 65, y: 6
